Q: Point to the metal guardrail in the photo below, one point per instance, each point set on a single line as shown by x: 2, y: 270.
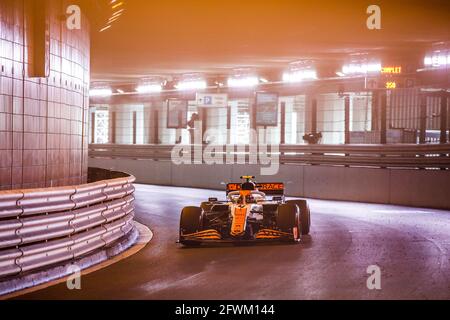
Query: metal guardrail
x: 41, y: 227
x: 412, y: 156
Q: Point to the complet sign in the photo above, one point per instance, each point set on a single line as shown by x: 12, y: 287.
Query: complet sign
x: 391, y: 70
x: 212, y: 100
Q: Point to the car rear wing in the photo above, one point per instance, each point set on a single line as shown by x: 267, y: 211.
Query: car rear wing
x: 271, y: 189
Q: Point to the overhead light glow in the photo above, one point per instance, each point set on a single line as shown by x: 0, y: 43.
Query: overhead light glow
x: 299, y: 75
x: 361, y: 68
x: 105, y: 28
x: 117, y: 5
x: 117, y: 13
x: 100, y: 92
x: 191, y: 85
x: 242, y: 82
x: 437, y: 59
x: 149, y: 88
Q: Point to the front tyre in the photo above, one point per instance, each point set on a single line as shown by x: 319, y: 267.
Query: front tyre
x: 305, y: 215
x: 288, y: 219
x: 190, y: 222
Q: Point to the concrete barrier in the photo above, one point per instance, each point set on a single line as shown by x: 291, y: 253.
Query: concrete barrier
x: 422, y: 188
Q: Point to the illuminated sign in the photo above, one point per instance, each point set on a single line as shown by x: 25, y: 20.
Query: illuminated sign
x: 213, y: 100
x: 269, y: 188
x: 439, y: 58
x: 391, y: 70
x: 391, y: 85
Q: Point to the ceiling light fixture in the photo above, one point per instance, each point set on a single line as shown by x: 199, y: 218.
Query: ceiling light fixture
x: 111, y: 20
x: 242, y: 82
x: 149, y: 88
x: 300, y: 70
x: 191, y: 85
x: 361, y: 68
x: 117, y: 5
x: 105, y: 28
x: 119, y: 12
x: 100, y: 92
x: 299, y: 75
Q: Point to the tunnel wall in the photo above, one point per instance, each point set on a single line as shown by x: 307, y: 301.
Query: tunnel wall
x: 421, y: 188
x: 43, y: 117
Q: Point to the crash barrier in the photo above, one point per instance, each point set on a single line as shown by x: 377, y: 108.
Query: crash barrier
x: 410, y: 156
x: 43, y: 227
x: 407, y: 175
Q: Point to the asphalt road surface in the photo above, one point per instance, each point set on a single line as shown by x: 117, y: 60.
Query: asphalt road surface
x: 411, y: 247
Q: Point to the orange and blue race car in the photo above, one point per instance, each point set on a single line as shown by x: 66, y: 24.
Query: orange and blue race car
x: 248, y: 215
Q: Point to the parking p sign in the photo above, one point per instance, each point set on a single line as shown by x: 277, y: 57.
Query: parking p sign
x: 212, y: 100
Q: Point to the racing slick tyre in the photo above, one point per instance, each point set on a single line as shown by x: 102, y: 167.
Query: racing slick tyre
x: 288, y: 219
x: 305, y: 215
x: 191, y: 222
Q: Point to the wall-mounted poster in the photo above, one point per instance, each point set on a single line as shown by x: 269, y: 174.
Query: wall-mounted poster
x: 177, y: 111
x: 266, y: 109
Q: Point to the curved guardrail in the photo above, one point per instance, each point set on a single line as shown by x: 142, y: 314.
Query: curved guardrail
x: 412, y: 156
x: 42, y: 227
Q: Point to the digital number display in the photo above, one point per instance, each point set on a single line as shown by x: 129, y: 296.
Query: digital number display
x: 391, y: 85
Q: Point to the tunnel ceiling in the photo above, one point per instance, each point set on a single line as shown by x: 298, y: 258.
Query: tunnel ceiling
x: 179, y: 36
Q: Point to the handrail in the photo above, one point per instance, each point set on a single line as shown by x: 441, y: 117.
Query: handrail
x: 412, y: 156
x: 41, y: 227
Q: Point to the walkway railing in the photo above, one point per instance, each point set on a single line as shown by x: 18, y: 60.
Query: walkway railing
x: 42, y: 227
x: 412, y: 156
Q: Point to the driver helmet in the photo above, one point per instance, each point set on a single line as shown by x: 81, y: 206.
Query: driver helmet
x: 248, y: 186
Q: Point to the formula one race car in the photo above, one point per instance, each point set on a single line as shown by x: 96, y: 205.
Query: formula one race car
x: 247, y: 216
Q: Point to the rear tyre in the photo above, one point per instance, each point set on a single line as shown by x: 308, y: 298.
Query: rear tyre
x: 288, y: 219
x: 305, y: 215
x: 190, y: 222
